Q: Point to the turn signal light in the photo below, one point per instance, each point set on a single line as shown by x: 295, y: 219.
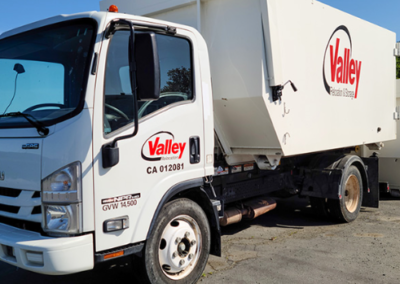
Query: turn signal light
x: 113, y: 255
x: 113, y: 8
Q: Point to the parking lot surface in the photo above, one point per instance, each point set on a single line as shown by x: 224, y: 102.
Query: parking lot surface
x: 286, y: 245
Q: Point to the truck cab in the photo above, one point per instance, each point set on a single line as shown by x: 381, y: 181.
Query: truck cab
x: 103, y: 114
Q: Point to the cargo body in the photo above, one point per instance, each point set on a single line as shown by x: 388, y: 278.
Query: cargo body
x: 389, y: 158
x: 131, y: 136
x: 255, y: 46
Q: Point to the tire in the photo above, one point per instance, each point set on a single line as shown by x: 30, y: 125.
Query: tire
x: 347, y: 208
x: 319, y: 206
x: 178, y: 247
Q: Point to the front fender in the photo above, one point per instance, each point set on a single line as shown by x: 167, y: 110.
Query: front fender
x: 193, y: 189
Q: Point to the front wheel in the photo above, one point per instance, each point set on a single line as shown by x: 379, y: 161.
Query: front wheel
x: 347, y: 208
x: 178, y: 247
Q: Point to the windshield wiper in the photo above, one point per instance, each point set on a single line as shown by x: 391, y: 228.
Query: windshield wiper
x: 41, y: 129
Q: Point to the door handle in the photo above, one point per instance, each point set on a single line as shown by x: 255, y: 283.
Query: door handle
x: 194, y: 143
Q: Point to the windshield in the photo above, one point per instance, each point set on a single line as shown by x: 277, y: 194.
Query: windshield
x: 43, y: 72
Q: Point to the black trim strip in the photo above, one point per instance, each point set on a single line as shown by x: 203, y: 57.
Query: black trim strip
x: 95, y: 63
x: 128, y: 250
x: 117, y: 24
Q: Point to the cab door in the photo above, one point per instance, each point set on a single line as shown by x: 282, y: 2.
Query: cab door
x: 159, y: 156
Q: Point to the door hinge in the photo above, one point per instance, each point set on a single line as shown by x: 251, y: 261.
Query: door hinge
x: 396, y: 114
x: 397, y: 49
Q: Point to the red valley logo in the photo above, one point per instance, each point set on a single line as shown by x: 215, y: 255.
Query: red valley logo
x: 341, y: 72
x: 161, y: 146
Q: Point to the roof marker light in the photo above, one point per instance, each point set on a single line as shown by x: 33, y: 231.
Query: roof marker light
x: 113, y: 8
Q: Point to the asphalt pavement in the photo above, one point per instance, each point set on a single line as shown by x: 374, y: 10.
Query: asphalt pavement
x: 287, y: 245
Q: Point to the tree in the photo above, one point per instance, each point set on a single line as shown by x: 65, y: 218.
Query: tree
x: 179, y: 80
x: 397, y: 67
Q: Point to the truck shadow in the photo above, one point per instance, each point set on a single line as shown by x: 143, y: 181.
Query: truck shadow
x: 118, y: 271
x: 294, y: 212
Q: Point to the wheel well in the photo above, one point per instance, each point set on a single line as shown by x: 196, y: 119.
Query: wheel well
x: 364, y: 177
x: 324, y: 173
x: 199, y: 196
x: 193, y: 190
x: 353, y: 160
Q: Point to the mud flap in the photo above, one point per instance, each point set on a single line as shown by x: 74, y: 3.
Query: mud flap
x: 371, y: 194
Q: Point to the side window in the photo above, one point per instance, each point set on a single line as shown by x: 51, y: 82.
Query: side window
x: 176, y: 74
x: 176, y: 79
x: 118, y: 98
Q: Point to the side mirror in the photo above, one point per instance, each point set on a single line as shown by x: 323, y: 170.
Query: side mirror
x: 147, y: 66
x: 146, y: 78
x: 110, y: 155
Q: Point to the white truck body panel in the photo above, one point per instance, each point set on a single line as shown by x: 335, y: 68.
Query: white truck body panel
x: 15, y: 159
x: 389, y: 155
x: 254, y: 45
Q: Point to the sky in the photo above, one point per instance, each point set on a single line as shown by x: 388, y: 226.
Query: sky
x: 15, y: 13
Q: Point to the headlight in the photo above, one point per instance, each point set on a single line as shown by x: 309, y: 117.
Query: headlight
x: 61, y: 198
x: 64, y: 185
x: 62, y: 218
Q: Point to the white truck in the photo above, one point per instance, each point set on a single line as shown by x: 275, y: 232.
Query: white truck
x: 389, y: 158
x: 115, y: 141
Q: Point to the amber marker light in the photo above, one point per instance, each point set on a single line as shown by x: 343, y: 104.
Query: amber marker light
x: 113, y: 8
x: 115, y: 254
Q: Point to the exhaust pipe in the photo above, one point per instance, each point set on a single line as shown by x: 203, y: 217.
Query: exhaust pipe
x: 250, y: 210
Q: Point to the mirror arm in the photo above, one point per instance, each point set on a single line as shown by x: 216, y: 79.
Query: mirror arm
x: 132, y: 73
x: 110, y: 152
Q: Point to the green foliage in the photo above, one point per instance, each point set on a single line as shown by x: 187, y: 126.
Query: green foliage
x: 397, y: 67
x: 179, y: 80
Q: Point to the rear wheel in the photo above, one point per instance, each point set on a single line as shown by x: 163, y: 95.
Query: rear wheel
x: 347, y: 208
x: 178, y: 247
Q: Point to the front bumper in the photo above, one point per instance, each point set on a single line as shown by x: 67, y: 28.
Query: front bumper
x: 46, y: 255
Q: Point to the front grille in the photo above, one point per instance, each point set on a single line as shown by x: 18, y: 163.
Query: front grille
x: 9, y: 209
x: 21, y: 224
x: 10, y: 192
x: 20, y: 207
x: 37, y: 210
